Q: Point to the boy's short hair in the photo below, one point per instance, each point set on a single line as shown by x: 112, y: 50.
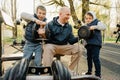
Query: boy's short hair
x: 41, y: 7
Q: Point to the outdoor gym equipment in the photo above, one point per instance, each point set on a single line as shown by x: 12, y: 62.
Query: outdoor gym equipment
x: 22, y: 71
x: 117, y: 32
x: 57, y: 71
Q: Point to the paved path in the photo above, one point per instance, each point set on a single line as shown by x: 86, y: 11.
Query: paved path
x: 110, y: 62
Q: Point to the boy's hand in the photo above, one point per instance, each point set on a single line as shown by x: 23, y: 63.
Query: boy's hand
x: 40, y: 22
x: 41, y: 32
x: 92, y: 28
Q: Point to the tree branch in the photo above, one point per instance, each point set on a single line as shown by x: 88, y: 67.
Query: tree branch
x: 106, y: 6
x: 51, y: 2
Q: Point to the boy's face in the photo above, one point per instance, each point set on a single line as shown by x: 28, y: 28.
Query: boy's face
x: 88, y: 19
x: 41, y: 14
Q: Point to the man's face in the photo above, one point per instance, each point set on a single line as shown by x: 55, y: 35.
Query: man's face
x: 88, y: 19
x: 65, y: 15
x: 41, y: 14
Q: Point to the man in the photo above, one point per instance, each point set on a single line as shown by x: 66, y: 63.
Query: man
x: 61, y: 40
x: 33, y: 31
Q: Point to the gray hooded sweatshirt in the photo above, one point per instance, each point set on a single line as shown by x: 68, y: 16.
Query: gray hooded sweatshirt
x: 96, y: 37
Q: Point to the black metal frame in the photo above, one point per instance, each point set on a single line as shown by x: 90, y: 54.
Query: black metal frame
x: 1, y: 20
x: 118, y: 37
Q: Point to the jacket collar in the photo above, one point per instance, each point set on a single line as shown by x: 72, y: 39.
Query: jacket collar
x: 55, y: 21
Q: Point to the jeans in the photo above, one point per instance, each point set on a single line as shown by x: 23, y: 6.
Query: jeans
x: 31, y: 48
x: 93, y: 57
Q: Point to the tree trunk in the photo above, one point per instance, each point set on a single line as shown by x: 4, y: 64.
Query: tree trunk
x: 13, y: 10
x: 73, y: 13
x: 85, y: 8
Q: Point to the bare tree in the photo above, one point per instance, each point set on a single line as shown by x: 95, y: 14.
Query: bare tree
x: 13, y: 11
x: 118, y: 11
x: 5, y: 5
x: 61, y: 3
x: 73, y: 12
x: 9, y: 6
x: 85, y: 7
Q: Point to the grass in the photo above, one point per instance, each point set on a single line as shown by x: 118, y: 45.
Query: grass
x: 110, y: 39
x: 8, y: 40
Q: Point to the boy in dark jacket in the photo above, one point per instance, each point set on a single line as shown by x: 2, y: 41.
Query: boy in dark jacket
x: 33, y: 30
x: 94, y: 42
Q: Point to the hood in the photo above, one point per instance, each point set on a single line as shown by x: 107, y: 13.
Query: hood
x: 55, y: 19
x: 94, y: 15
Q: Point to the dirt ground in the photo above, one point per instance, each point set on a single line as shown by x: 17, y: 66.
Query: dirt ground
x: 9, y: 51
x: 81, y: 68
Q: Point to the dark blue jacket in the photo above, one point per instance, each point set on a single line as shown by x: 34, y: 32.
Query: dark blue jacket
x: 31, y: 33
x: 60, y: 35
x: 95, y: 37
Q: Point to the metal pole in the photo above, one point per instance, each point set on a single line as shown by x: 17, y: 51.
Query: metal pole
x: 1, y: 20
x: 33, y: 6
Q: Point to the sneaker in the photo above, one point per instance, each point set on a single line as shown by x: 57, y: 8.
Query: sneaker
x: 88, y: 73
x: 98, y: 76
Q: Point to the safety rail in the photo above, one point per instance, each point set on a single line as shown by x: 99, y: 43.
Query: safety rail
x: 12, y: 57
x: 45, y: 77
